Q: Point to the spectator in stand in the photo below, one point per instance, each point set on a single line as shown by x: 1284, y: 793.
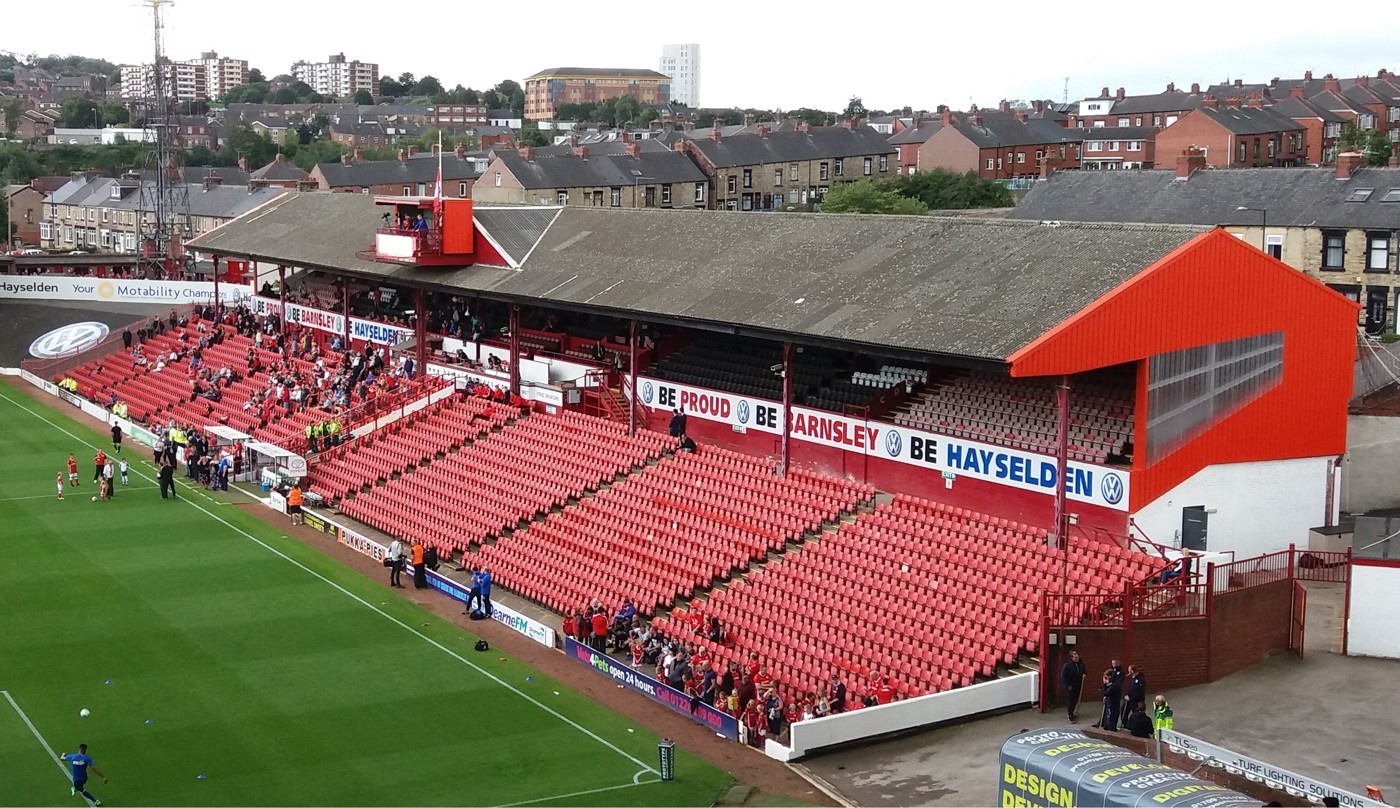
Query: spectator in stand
x: 430, y: 557
x: 686, y: 445
x: 746, y: 690
x: 1138, y: 723
x: 837, y: 694
x: 708, y: 682
x: 678, y: 423
x: 821, y: 705
x: 752, y: 723
x: 678, y: 672
x: 762, y: 681
x: 585, y: 629
x: 773, y: 713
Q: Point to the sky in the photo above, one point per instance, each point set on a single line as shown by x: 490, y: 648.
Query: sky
x: 778, y: 54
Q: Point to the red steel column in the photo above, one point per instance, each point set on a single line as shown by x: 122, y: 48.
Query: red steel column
x: 216, y: 289
x: 632, y: 372
x: 345, y: 308
x: 787, y: 409
x: 420, y: 335
x: 282, y: 295
x: 514, y: 349
x: 1061, y: 534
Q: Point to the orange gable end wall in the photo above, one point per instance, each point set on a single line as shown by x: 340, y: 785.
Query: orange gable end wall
x: 1212, y: 289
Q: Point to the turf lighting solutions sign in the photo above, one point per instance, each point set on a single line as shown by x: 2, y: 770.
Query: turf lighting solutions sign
x: 1028, y: 471
x: 720, y: 722
x: 1067, y: 768
x: 1271, y: 776
x: 101, y: 290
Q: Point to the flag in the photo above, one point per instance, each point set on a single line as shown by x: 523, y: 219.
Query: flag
x: 437, y: 200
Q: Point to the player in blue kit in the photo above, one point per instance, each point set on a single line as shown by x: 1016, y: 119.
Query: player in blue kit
x: 81, y: 764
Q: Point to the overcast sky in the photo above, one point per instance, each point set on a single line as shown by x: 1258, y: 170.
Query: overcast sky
x: 774, y: 54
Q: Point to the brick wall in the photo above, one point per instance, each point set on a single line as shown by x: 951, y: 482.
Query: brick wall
x: 1171, y: 653
x: 1250, y: 625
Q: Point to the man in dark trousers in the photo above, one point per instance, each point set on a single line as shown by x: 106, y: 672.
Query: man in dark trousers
x: 1072, y: 682
x: 1112, y: 689
x: 126, y: 338
x: 1134, y: 690
x: 117, y: 438
x: 167, y: 479
x: 677, y: 427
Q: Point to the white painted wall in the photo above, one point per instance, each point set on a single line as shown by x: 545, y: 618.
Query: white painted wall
x: 1259, y: 507
x: 1373, y: 628
x: 808, y: 736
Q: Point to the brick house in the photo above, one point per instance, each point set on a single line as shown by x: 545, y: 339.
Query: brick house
x: 281, y: 174
x: 36, y: 123
x: 413, y: 174
x: 908, y: 142
x: 1000, y: 146
x: 1323, y: 125
x: 1232, y: 135
x: 25, y: 206
x: 1118, y: 147
x: 766, y: 170
x: 632, y: 178
x: 1340, y: 225
x: 457, y: 116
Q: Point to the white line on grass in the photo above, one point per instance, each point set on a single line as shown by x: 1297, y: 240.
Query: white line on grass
x: 577, y: 794
x: 489, y: 675
x: 37, y: 734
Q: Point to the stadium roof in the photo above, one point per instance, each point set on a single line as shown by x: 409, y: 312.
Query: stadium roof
x: 976, y: 289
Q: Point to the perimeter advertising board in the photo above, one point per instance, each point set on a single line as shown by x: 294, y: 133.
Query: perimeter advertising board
x: 1028, y: 471
x: 719, y: 721
x: 98, y: 290
x: 1055, y: 767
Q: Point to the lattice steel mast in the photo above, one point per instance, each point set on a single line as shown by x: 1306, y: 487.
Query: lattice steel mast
x: 165, y: 200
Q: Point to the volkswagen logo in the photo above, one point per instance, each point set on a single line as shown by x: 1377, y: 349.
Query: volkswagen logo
x: 742, y: 411
x: 1112, y: 488
x: 68, y: 340
x: 647, y: 392
x: 894, y: 443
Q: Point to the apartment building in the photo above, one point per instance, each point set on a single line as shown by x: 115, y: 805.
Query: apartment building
x: 206, y: 78
x: 682, y: 64
x: 547, y: 90
x: 338, y: 76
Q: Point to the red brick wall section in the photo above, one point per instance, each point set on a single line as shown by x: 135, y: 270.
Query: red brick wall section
x: 1195, y: 129
x: 1171, y: 653
x: 1250, y: 625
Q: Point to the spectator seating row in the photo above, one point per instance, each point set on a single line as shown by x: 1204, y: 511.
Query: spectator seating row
x: 405, y: 444
x: 889, y: 376
x: 528, y: 468
x: 667, y: 531
x: 1022, y: 414
x: 933, y: 596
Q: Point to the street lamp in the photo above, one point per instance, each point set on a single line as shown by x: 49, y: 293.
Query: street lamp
x: 636, y: 180
x: 1263, y: 225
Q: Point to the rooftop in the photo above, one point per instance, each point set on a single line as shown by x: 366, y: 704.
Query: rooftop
x: 640, y: 73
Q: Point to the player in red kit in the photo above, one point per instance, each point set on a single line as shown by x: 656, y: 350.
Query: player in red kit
x: 60, y: 485
x: 99, y: 460
x: 72, y: 469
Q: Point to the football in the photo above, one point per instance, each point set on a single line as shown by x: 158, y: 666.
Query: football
x: 84, y: 712
x: 94, y: 499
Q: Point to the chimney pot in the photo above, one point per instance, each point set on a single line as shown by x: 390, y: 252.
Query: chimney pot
x: 1297, y: 91
x: 947, y: 116
x: 1171, y: 87
x: 345, y: 159
x: 460, y: 150
x: 1256, y: 99
x: 633, y: 149
x: 1022, y: 116
x: 1120, y: 94
x: 1104, y: 93
x: 1004, y: 105
x: 527, y: 152
x: 403, y: 155
x: 1233, y: 101
x: 1239, y: 82
x: 359, y: 154
x: 715, y: 133
x: 243, y: 164
x: 761, y: 130
x: 1307, y: 75
x: 1195, y: 88
x: 1363, y: 81
x: 1331, y: 84
x: 412, y: 150
x: 1210, y: 102
x: 852, y: 123
x: 581, y: 152
x: 1394, y: 161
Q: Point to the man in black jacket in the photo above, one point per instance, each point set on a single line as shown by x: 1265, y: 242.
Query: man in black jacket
x: 1072, y: 681
x: 167, y: 479
x: 1112, y: 689
x: 677, y: 426
x: 1134, y: 690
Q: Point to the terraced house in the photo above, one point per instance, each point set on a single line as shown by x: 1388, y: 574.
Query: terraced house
x: 619, y: 174
x: 768, y: 170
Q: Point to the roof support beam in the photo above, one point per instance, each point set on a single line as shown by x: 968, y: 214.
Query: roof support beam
x: 632, y: 371
x: 282, y: 296
x: 514, y: 350
x: 1061, y: 534
x: 787, y: 409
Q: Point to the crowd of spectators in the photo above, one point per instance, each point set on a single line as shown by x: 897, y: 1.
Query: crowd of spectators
x: 746, y: 691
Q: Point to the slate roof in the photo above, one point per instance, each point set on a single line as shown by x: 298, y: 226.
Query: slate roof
x: 569, y: 171
x: 916, y: 134
x: 279, y: 170
x: 366, y: 173
x: 1300, y: 108
x: 822, y: 142
x: 1293, y: 197
x: 979, y: 289
x: 603, y: 148
x: 1174, y: 101
x: 1252, y: 120
x: 1118, y: 133
x: 999, y: 130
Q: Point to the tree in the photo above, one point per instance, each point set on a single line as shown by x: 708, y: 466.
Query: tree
x: 246, y: 94
x: 301, y: 89
x: 114, y: 114
x: 647, y: 116
x: 1370, y: 142
x: 940, y: 189
x: 286, y: 95
x: 813, y: 117
x: 78, y: 113
x: 242, y: 140
x: 868, y: 197
x: 255, y: 76
x: 625, y: 110
x: 855, y: 109
x: 427, y: 85
x: 364, y: 98
x: 492, y: 100
x: 390, y: 88
x: 407, y: 80
x: 530, y: 134
x: 517, y: 102
x: 12, y: 113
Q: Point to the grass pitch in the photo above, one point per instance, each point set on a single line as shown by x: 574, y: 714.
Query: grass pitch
x: 205, y: 642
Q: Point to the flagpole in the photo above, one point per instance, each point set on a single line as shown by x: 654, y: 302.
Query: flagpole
x: 437, y: 191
